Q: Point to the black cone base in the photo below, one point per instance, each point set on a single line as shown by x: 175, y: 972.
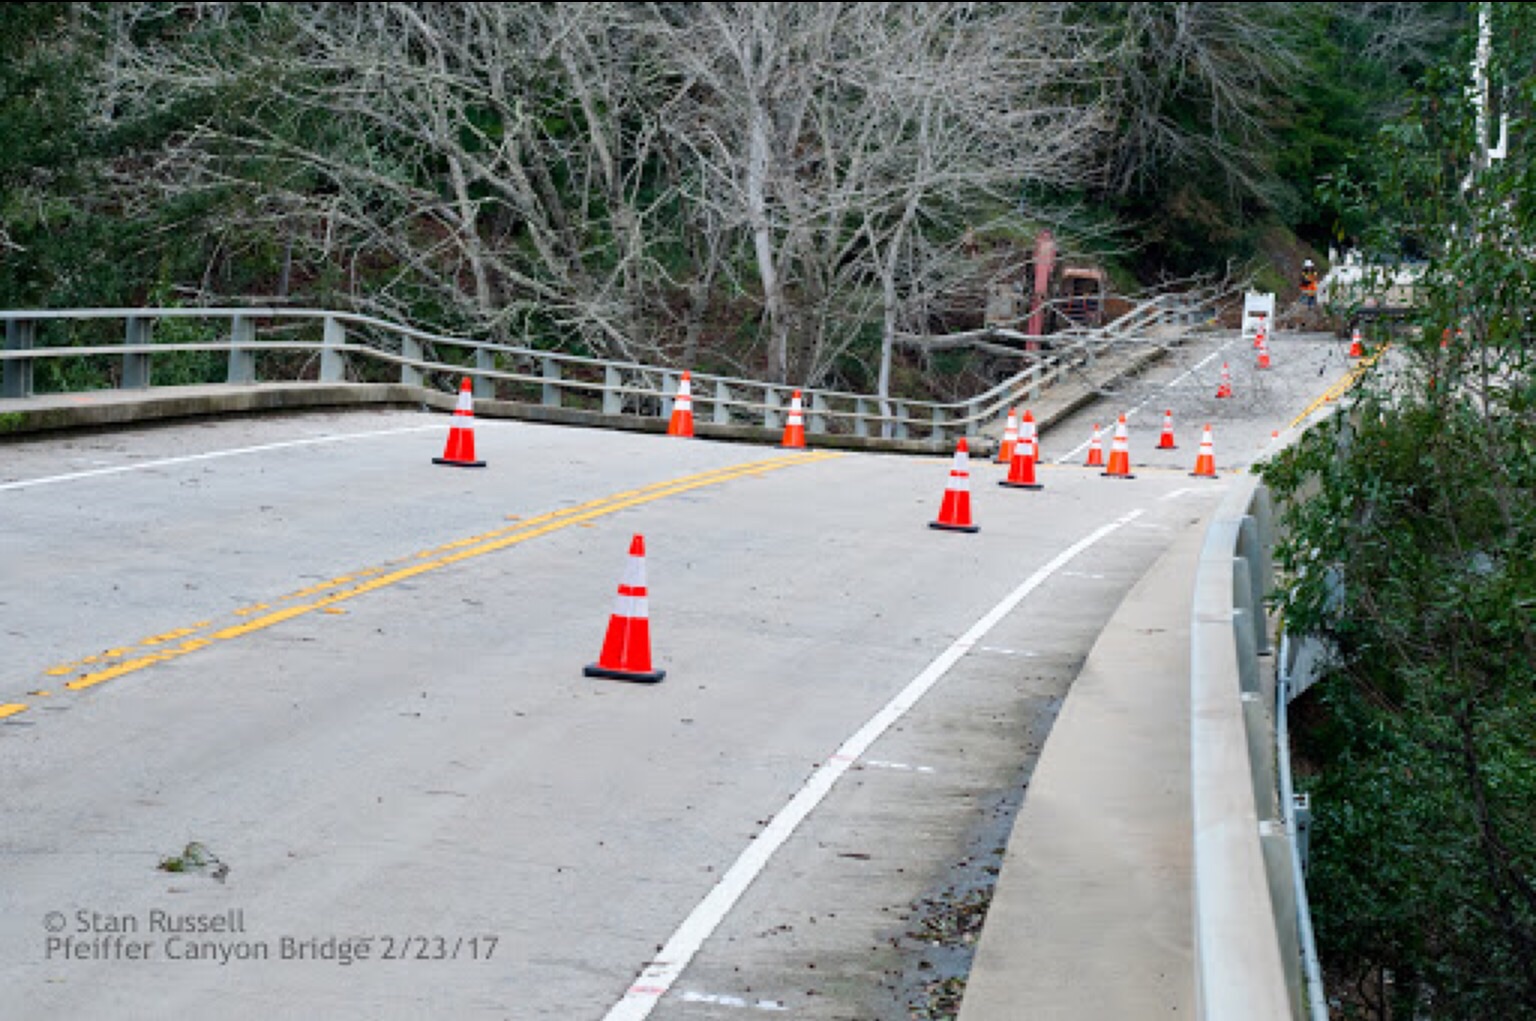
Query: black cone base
x: 593, y: 670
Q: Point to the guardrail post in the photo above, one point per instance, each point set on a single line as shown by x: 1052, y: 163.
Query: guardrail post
x: 1254, y: 554
x: 242, y: 360
x: 484, y: 386
x: 772, y: 403
x: 939, y: 433
x: 1275, y: 840
x: 410, y: 373
x: 20, y: 335
x: 333, y: 361
x: 816, y: 421
x: 1035, y: 372
x: 722, y: 410
x: 669, y: 387
x: 860, y: 417
x: 136, y: 364
x: 898, y: 429
x: 1262, y: 558
x: 1301, y: 821
x: 553, y: 394
x: 613, y: 397
x: 973, y: 419
x: 1244, y: 624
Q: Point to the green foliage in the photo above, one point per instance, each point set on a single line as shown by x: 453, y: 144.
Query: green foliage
x: 1411, y: 549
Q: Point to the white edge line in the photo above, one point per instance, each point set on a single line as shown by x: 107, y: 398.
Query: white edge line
x: 211, y: 455
x: 657, y: 977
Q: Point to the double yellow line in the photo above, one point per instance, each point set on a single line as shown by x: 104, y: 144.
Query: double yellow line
x: 1342, y: 385
x: 324, y: 596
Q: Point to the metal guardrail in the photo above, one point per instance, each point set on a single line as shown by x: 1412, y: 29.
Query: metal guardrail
x: 1254, y: 958
x: 551, y: 379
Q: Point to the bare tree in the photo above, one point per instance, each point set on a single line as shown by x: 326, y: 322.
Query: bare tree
x: 1192, y: 83
x: 841, y: 136
x: 614, y: 174
x: 494, y: 154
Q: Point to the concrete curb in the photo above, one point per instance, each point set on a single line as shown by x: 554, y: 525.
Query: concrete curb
x: 102, y: 408
x: 1092, y: 915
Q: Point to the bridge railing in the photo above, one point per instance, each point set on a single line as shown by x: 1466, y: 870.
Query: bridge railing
x: 350, y: 346
x: 1254, y: 958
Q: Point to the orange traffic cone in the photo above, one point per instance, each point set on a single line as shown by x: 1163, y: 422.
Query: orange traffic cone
x: 1027, y: 423
x: 1205, y: 462
x: 626, y: 654
x: 459, y: 452
x: 1356, y: 348
x: 955, y: 513
x: 1225, y: 390
x: 1263, y: 351
x: 1021, y: 470
x: 681, y: 423
x: 1095, y: 450
x: 794, y: 428
x: 1165, y: 441
x: 1010, y: 438
x: 1119, y: 454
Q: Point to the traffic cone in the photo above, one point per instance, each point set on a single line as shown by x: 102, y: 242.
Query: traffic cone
x: 1119, y: 454
x: 1010, y: 437
x: 1205, y: 462
x: 1356, y: 348
x: 681, y: 423
x: 1021, y: 470
x: 1225, y: 390
x: 626, y: 654
x: 955, y: 513
x: 794, y: 428
x: 1027, y: 424
x: 1263, y: 351
x: 459, y: 452
x: 1165, y: 441
x: 1095, y: 450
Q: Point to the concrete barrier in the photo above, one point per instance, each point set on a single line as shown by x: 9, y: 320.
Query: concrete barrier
x: 1151, y: 869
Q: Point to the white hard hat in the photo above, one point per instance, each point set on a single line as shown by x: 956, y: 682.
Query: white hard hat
x: 1306, y: 262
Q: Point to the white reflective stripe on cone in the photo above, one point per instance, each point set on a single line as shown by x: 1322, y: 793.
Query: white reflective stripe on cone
x: 631, y: 607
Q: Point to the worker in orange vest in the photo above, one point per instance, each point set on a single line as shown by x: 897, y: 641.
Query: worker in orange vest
x: 1308, y: 283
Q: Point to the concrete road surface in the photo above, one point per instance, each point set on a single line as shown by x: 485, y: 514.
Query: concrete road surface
x: 340, y: 688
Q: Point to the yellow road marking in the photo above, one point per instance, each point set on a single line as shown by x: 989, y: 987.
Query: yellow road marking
x: 11, y: 709
x: 358, y: 583
x: 1339, y: 388
x: 136, y: 649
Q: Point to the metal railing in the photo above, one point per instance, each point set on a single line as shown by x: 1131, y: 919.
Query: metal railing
x: 350, y: 346
x: 1254, y: 957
